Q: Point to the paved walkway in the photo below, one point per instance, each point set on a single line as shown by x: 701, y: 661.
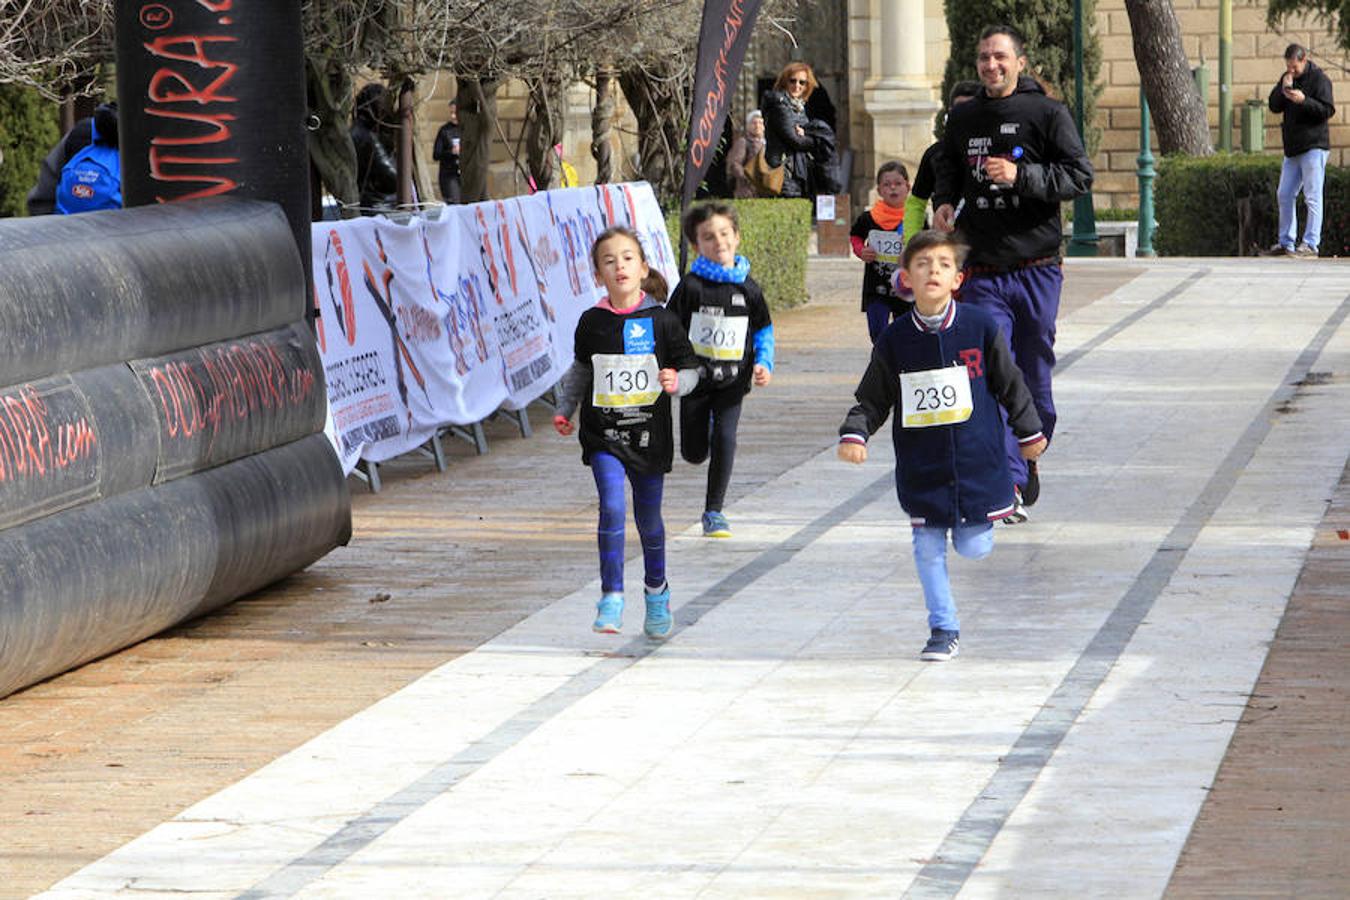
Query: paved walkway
x: 418, y: 715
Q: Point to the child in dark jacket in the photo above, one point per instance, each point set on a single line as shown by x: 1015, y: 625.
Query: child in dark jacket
x: 631, y: 356
x: 724, y: 313
x: 945, y: 370
x: 877, y: 237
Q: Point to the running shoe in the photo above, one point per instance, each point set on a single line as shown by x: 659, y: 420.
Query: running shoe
x: 1019, y: 512
x: 609, y: 614
x: 942, y: 646
x: 1031, y: 491
x: 1278, y: 249
x: 659, y: 621
x: 1303, y: 251
x: 715, y: 525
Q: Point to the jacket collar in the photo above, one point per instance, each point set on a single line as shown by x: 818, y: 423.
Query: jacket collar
x: 946, y: 320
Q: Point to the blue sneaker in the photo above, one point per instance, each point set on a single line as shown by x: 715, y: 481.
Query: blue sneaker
x: 942, y: 646
x: 609, y: 614
x: 659, y: 621
x: 715, y: 525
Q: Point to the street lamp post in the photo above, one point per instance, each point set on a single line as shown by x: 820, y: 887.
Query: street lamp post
x: 1146, y: 175
x: 1084, y: 239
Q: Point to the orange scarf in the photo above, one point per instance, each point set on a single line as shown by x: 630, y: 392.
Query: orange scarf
x: 886, y: 216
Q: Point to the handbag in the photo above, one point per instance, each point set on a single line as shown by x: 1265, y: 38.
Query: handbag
x: 767, y: 179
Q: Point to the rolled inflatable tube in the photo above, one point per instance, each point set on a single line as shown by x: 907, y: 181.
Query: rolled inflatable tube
x: 72, y: 439
x: 89, y: 581
x: 84, y: 291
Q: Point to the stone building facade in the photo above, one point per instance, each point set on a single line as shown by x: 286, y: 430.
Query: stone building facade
x: 882, y: 61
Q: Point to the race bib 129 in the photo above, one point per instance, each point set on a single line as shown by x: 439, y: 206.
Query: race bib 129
x: 888, y: 244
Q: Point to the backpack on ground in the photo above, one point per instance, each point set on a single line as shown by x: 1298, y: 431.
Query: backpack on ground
x: 91, y: 180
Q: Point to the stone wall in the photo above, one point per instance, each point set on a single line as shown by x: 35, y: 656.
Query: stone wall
x: 1257, y: 64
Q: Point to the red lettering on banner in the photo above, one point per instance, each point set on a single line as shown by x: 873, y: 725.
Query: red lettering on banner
x: 214, y: 121
x: 160, y: 47
x: 224, y: 384
x: 27, y: 445
x: 716, y: 99
x: 216, y: 5
x: 190, y: 73
x: 222, y: 184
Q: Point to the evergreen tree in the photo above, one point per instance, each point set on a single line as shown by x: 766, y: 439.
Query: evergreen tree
x: 29, y: 128
x: 1047, y: 26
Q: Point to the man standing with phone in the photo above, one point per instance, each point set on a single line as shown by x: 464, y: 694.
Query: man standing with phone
x: 1303, y: 95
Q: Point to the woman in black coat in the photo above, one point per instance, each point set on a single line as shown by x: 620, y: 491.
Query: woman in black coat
x: 785, y: 138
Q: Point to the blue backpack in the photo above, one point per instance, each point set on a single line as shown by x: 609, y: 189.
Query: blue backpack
x: 92, y: 180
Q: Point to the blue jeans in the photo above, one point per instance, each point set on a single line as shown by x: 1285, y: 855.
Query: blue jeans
x: 1025, y: 304
x: 609, y: 477
x: 1304, y: 172
x: 930, y: 558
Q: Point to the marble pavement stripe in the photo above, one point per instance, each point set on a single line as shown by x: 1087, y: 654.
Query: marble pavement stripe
x: 981, y: 823
x: 313, y: 807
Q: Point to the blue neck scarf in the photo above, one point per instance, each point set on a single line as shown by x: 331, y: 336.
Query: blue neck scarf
x: 706, y: 268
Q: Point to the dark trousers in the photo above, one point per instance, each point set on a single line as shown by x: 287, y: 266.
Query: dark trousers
x: 879, y: 315
x: 450, y: 191
x: 1025, y: 303
x: 708, y: 431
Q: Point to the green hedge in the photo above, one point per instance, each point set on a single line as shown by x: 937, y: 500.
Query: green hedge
x: 29, y: 128
x: 1225, y: 205
x: 775, y: 237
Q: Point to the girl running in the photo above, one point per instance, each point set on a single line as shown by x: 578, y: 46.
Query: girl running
x: 631, y: 355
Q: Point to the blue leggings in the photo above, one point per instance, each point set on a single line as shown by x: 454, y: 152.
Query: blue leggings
x: 609, y: 474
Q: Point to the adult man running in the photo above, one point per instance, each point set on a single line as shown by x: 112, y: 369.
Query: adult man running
x: 1010, y: 157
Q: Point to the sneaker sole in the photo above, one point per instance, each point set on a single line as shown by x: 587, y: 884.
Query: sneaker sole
x: 605, y: 629
x: 1016, y: 518
x: 717, y: 534
x: 657, y: 635
x: 930, y: 656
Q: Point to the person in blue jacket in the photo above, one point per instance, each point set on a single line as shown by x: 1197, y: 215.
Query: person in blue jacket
x: 946, y: 371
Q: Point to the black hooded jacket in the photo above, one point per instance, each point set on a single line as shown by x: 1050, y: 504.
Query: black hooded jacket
x: 1007, y: 225
x: 1305, y: 124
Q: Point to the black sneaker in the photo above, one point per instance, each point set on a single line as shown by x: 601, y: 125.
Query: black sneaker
x: 942, y: 646
x: 1031, y: 491
x: 1019, y: 511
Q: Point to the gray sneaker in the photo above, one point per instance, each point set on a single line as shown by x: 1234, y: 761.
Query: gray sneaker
x: 1278, y: 249
x: 942, y: 646
x: 1303, y: 251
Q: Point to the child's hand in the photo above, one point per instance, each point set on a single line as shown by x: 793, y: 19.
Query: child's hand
x: 562, y: 425
x: 867, y: 254
x: 1033, y: 451
x: 670, y: 380
x: 852, y: 452
x: 762, y: 376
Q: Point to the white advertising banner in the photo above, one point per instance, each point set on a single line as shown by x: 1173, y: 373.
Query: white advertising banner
x: 443, y: 319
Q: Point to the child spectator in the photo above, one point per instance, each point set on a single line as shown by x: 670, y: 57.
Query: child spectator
x: 945, y: 370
